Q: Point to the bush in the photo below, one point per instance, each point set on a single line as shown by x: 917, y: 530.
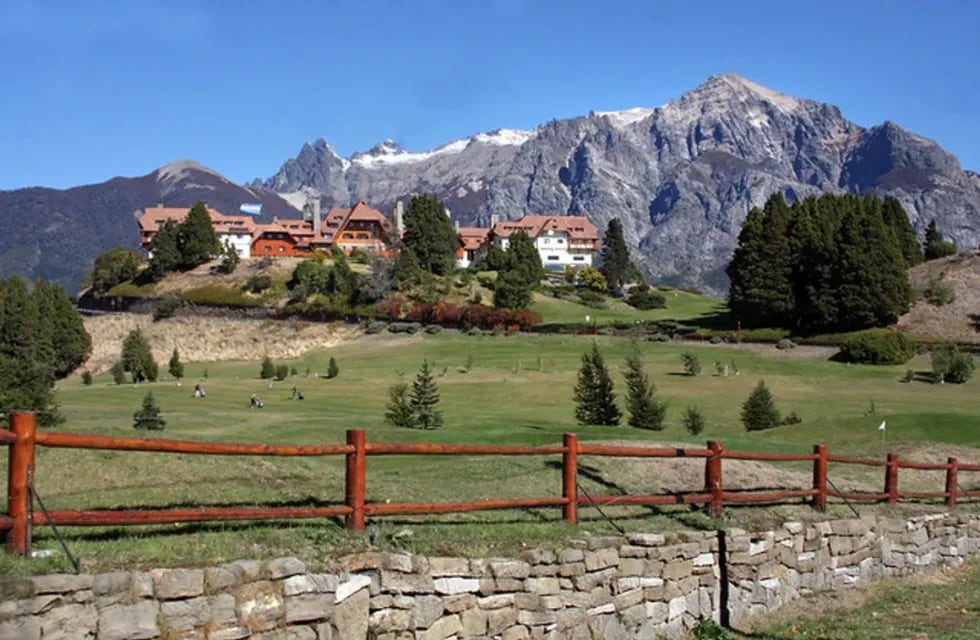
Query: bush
x: 86, y: 378
x: 693, y: 420
x: 148, y: 416
x: 938, y: 293
x: 282, y: 372
x: 692, y: 366
x: 433, y: 328
x: 759, y: 412
x: 268, y: 369
x: 644, y: 298
x: 404, y: 327
x: 791, y: 418
x: 950, y: 365
x: 715, y: 340
x: 588, y: 296
x: 877, y: 346
x: 258, y: 283
x: 165, y: 307
x: 332, y: 369
x: 118, y: 373
x: 785, y: 343
x: 659, y: 337
x: 376, y: 326
x: 293, y: 371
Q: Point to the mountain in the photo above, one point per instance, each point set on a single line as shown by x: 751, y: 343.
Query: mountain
x: 56, y: 234
x: 681, y: 177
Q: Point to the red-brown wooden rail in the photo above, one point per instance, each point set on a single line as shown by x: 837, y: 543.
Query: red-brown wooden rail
x: 22, y: 439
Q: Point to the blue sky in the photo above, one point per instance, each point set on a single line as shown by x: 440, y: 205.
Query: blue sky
x: 90, y: 90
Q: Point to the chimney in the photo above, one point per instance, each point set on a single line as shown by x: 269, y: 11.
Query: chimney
x: 494, y: 219
x: 456, y: 225
x: 399, y: 218
x: 315, y: 210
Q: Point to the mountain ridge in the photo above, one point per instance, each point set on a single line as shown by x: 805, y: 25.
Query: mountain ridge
x: 681, y: 177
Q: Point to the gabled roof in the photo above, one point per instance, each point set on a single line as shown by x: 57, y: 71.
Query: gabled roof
x: 472, y: 238
x: 577, y: 227
x: 153, y: 217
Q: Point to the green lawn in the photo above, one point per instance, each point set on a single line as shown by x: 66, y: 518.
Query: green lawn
x: 682, y: 306
x: 518, y: 392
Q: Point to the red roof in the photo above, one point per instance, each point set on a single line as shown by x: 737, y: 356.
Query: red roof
x: 473, y: 237
x: 577, y: 227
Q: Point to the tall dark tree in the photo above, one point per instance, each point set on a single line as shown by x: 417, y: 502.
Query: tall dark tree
x: 595, y: 401
x: 645, y: 411
x: 430, y: 235
x: 935, y: 247
x: 511, y: 291
x: 175, y: 366
x: 196, y: 238
x: 26, y: 377
x: 63, y: 342
x: 523, y: 258
x: 898, y: 221
x: 164, y: 250
x: 137, y: 358
x: 761, y: 267
x: 113, y: 267
x: 814, y: 273
x: 424, y: 399
x: 615, y: 256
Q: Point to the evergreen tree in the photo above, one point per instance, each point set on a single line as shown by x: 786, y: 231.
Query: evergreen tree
x: 332, y: 369
x: 523, y: 259
x: 176, y: 367
x: 268, y: 368
x: 615, y: 256
x: 759, y: 412
x: 761, y: 268
x: 645, y: 412
x: 430, y: 235
x: 137, y: 358
x: 196, y: 239
x: 26, y: 374
x: 693, y: 421
x: 407, y: 269
x: 148, y: 416
x: 511, y: 291
x: 118, y: 373
x: 114, y: 267
x: 229, y: 259
x: 814, y: 273
x: 594, y: 397
x: 898, y: 221
x: 935, y: 247
x: 164, y: 250
x: 399, y: 412
x: 424, y: 399
x: 63, y: 342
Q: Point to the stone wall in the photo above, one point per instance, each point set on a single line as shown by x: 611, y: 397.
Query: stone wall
x: 634, y: 586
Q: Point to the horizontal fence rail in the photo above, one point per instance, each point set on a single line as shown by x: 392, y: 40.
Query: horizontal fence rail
x: 23, y: 438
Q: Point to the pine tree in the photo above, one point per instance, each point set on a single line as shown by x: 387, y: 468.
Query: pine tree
x: 164, y: 250
x: 229, y: 259
x: 268, y: 368
x: 644, y: 409
x: 332, y: 369
x: 615, y: 256
x: 399, y: 412
x: 148, y: 416
x: 118, y: 373
x: 898, y: 221
x: 26, y: 375
x: 196, y: 239
x: 593, y: 393
x: 430, y: 235
x: 759, y: 412
x: 511, y: 291
x: 935, y: 247
x: 176, y: 367
x: 814, y: 273
x: 114, y: 267
x: 424, y: 399
x: 63, y: 342
x: 137, y: 358
x: 523, y: 259
x: 693, y: 421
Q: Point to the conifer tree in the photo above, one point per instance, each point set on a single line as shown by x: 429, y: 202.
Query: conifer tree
x: 137, y: 358
x: 615, y: 256
x: 332, y: 369
x: 424, y: 399
x: 523, y: 259
x: 268, y: 368
x: 175, y: 366
x: 430, y: 235
x: 759, y: 412
x: 148, y: 416
x: 399, y: 412
x: 196, y: 238
x: 935, y: 247
x: 164, y: 250
x: 645, y: 412
x: 593, y: 393
x: 63, y: 342
x: 26, y: 376
x: 898, y: 221
x: 814, y: 273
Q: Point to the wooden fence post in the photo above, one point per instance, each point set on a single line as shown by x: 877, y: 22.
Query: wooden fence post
x: 356, y: 479
x: 891, y: 478
x: 819, y: 501
x: 21, y: 459
x: 712, y: 478
x: 951, y: 482
x: 569, y: 478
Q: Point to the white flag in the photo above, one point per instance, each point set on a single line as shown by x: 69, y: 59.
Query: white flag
x: 881, y: 427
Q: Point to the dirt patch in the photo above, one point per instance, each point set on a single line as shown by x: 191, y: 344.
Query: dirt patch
x: 960, y: 319
x: 211, y: 339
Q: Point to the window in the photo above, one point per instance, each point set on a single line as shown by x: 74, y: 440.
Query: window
x: 579, y: 258
x: 559, y: 241
x: 552, y: 258
x: 545, y: 241
x: 268, y: 247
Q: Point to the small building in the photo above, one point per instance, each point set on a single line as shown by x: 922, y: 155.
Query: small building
x: 560, y: 240
x: 237, y: 231
x: 474, y: 243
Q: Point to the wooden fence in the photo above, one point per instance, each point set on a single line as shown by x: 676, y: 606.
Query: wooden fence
x: 23, y: 438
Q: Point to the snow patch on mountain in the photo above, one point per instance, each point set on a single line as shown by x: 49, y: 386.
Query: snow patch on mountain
x: 626, y: 117
x: 504, y: 137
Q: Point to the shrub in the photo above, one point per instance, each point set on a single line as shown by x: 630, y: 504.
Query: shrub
x: 588, y: 296
x: 404, y: 327
x: 165, y: 307
x: 950, y: 365
x: 148, y: 416
x: 659, y: 337
x: 258, y: 283
x: 785, y: 343
x: 282, y: 372
x: 759, y: 412
x: 938, y: 293
x: 332, y: 369
x: 644, y: 298
x: 268, y: 369
x: 877, y: 346
x: 692, y: 366
x: 376, y: 326
x: 693, y: 420
x: 86, y: 378
x: 475, y: 331
x: 433, y: 328
x: 791, y: 418
x: 715, y: 340
x: 118, y: 373
x: 293, y: 371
